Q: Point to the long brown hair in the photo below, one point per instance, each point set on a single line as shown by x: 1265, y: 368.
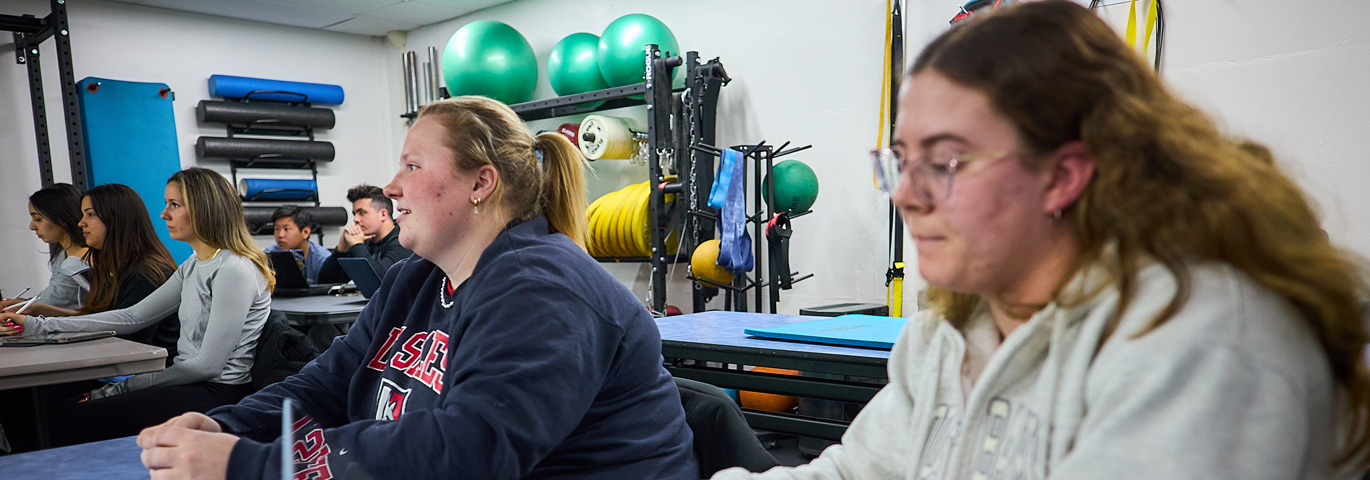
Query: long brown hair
x: 486, y: 132
x: 1167, y: 185
x: 216, y: 215
x: 130, y: 243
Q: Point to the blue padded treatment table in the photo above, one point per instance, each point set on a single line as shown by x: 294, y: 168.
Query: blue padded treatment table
x: 229, y: 86
x: 110, y: 459
x: 131, y: 139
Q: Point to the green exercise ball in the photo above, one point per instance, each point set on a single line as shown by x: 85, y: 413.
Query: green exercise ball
x: 573, y: 66
x: 796, y: 186
x: 621, y: 48
x: 490, y: 59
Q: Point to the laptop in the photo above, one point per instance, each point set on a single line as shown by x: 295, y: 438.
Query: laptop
x: 361, y: 273
x: 847, y: 330
x: 290, y: 279
x: 52, y: 338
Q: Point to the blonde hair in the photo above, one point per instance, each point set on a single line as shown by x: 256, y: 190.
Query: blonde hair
x: 1167, y: 184
x: 216, y: 216
x: 482, y: 131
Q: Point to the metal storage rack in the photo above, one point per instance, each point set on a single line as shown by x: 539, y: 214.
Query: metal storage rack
x: 29, y: 32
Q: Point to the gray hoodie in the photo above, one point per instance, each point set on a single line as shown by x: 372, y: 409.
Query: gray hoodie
x: 1235, y: 385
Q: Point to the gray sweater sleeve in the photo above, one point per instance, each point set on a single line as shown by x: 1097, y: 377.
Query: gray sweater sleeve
x: 65, y: 289
x: 150, y: 310
x: 234, y: 287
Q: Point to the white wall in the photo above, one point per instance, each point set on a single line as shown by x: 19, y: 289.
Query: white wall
x: 806, y: 71
x: 128, y: 42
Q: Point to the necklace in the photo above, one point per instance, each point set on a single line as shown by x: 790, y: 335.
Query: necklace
x: 442, y: 295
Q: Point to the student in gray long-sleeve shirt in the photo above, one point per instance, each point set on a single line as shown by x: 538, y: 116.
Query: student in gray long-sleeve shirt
x: 222, y: 296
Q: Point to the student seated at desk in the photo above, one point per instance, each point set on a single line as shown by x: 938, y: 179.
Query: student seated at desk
x: 222, y: 295
x: 1118, y: 290
x: 502, y: 350
x: 373, y: 235
x: 130, y: 262
x: 293, y: 225
x: 54, y: 212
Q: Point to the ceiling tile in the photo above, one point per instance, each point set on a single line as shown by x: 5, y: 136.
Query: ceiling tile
x: 468, y: 5
x: 417, y: 13
x: 354, y: 7
x: 260, y: 11
x: 370, y: 26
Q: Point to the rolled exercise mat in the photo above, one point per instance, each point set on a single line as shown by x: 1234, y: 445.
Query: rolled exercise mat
x: 277, y: 189
x: 263, y: 115
x: 285, y: 151
x: 229, y: 86
x: 259, y: 217
x: 607, y: 138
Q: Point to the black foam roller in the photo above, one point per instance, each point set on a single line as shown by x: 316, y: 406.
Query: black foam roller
x: 263, y: 115
x: 257, y: 218
x: 259, y: 148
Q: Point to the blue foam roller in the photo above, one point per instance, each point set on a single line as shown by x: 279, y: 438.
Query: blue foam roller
x: 277, y: 189
x: 229, y: 86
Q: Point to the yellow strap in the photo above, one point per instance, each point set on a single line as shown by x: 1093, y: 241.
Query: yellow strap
x: 1132, y: 24
x: 894, y: 294
x: 884, y: 82
x: 1150, y: 25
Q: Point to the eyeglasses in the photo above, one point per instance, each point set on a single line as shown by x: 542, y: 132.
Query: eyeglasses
x: 932, y: 175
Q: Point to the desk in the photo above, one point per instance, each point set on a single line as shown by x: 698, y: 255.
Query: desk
x: 111, y: 459
x: 52, y: 364
x: 718, y: 337
x: 319, y: 309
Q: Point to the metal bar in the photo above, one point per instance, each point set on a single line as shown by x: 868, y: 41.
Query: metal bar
x: 796, y: 425
x: 657, y: 83
x: 76, y: 141
x: 808, y: 387
x: 871, y: 367
x: 527, y: 109
x: 40, y: 109
x: 21, y: 24
x: 414, y: 80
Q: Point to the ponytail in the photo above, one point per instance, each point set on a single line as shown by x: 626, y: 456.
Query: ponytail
x: 563, y: 186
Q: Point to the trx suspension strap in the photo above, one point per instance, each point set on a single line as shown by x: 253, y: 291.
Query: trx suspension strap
x: 894, y: 66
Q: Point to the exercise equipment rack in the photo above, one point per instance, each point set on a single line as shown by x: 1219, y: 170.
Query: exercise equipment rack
x: 29, y: 32
x: 692, y: 110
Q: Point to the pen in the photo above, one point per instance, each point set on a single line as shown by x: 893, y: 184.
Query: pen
x: 26, y: 304
x: 26, y: 290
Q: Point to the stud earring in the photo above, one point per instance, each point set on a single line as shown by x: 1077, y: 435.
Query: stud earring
x: 1057, y: 214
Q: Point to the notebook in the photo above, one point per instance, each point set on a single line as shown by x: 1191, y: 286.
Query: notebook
x: 52, y: 338
x: 846, y: 330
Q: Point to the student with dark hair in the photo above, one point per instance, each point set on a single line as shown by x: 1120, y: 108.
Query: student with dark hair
x: 501, y: 350
x: 222, y: 295
x: 293, y: 225
x: 373, y: 235
x: 54, y: 213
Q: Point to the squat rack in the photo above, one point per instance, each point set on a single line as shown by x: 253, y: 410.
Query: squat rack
x: 29, y: 32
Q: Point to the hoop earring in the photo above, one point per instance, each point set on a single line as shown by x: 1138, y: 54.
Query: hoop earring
x: 476, y: 202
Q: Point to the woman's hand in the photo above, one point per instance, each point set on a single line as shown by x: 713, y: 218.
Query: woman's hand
x: 12, y: 324
x: 188, y: 446
x: 5, y: 302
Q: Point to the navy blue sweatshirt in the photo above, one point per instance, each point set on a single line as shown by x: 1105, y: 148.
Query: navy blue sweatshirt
x: 544, y: 366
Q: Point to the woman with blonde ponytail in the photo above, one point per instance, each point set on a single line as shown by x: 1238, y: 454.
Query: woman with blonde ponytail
x: 500, y: 350
x: 222, y: 295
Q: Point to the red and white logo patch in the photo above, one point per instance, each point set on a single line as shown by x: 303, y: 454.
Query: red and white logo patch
x: 390, y: 400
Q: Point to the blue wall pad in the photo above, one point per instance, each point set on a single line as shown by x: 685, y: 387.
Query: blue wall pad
x: 229, y: 86
x: 131, y: 139
x: 277, y: 189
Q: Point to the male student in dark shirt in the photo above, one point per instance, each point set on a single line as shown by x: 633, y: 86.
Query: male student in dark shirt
x: 373, y: 235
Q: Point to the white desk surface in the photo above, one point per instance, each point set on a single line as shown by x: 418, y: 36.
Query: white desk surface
x: 51, y: 364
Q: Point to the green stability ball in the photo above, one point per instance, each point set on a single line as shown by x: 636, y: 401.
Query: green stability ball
x: 491, y: 59
x: 796, y: 186
x: 573, y: 66
x: 623, y: 43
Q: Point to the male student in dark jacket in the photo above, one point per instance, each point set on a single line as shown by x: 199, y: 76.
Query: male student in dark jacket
x: 373, y: 235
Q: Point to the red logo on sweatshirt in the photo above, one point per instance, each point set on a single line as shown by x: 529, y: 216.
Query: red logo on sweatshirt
x: 313, y: 453
x: 422, y: 357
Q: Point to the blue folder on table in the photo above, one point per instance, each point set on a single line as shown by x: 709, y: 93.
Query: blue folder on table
x: 847, y: 330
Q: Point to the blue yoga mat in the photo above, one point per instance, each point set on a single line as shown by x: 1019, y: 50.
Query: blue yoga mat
x: 229, y: 86
x: 850, y: 330
x: 118, y: 458
x: 277, y: 189
x: 130, y: 132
